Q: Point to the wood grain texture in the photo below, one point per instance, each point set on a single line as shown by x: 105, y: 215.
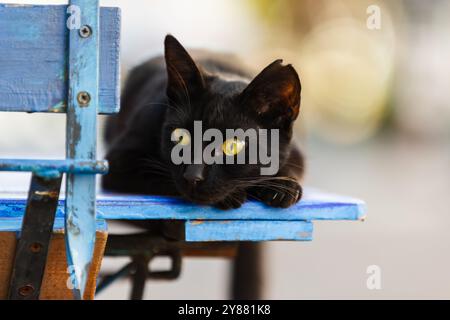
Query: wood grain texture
x: 315, y: 205
x: 34, y: 55
x: 55, y: 276
x: 203, y: 231
x: 8, y: 241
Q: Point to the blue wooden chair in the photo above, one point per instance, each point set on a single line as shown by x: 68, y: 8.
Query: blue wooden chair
x: 65, y: 59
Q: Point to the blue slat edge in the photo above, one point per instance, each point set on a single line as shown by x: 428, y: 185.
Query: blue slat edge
x: 15, y: 225
x: 315, y: 205
x: 34, y: 53
x: 239, y: 230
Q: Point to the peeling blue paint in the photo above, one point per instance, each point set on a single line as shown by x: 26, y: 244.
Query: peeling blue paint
x: 84, y: 60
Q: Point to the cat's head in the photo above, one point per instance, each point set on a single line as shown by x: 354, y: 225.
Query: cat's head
x: 270, y: 101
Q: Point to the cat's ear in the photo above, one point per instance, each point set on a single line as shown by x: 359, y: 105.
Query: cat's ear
x: 274, y: 95
x: 185, y: 79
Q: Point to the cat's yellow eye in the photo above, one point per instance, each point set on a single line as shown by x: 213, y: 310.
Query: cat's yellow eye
x: 232, y: 147
x: 181, y: 136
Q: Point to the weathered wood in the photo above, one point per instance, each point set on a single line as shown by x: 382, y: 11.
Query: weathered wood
x: 81, y: 140
x: 238, y: 230
x: 8, y: 242
x: 315, y: 205
x: 56, y: 274
x: 34, y: 54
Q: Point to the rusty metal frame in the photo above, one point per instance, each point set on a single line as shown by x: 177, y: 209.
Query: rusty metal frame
x: 142, y: 248
x: 32, y: 247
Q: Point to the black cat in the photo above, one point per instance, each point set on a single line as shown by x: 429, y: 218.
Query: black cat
x: 165, y: 94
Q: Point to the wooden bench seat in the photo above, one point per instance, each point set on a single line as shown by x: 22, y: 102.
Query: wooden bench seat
x: 252, y: 222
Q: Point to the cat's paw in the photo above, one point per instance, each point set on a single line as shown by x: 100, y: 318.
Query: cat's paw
x: 233, y: 201
x: 282, y: 194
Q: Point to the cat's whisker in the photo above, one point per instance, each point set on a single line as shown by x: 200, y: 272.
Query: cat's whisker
x: 149, y: 165
x: 254, y: 197
x: 289, y: 190
x: 269, y: 183
x: 293, y: 165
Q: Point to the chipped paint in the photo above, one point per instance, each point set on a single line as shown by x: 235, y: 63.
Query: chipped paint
x: 81, y: 144
x: 49, y: 194
x: 197, y: 222
x: 305, y: 234
x: 60, y: 107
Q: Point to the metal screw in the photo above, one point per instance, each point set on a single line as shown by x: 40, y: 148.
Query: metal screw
x: 83, y: 98
x: 85, y: 31
x: 35, y: 247
x: 26, y: 290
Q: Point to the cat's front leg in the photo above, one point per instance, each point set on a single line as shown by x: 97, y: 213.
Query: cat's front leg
x: 232, y: 201
x: 279, y: 192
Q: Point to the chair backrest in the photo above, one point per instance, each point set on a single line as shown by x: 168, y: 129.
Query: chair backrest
x: 33, y: 58
x: 63, y: 59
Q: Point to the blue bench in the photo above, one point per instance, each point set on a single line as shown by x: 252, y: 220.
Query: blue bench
x: 252, y: 222
x: 40, y: 71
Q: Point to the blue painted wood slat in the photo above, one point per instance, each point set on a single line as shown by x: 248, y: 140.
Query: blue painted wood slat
x: 81, y: 140
x: 211, y: 230
x: 34, y: 54
x: 253, y: 222
x: 240, y: 230
x: 15, y: 224
x: 315, y: 205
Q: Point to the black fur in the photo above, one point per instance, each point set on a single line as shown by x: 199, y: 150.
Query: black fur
x: 171, y: 92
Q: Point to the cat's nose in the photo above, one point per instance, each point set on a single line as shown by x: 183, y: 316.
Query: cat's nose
x: 194, y: 174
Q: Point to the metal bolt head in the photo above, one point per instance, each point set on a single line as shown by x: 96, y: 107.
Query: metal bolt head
x: 83, y: 98
x: 26, y: 290
x: 35, y: 247
x: 85, y: 31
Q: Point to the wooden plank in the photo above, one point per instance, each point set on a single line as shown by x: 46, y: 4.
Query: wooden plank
x: 81, y: 140
x: 56, y: 275
x: 315, y: 205
x: 34, y: 54
x: 8, y: 242
x: 15, y: 224
x: 213, y: 230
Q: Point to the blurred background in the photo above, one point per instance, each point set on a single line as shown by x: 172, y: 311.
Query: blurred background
x: 375, y: 124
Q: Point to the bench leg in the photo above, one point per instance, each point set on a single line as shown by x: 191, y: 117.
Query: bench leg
x: 139, y: 277
x: 247, y: 272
